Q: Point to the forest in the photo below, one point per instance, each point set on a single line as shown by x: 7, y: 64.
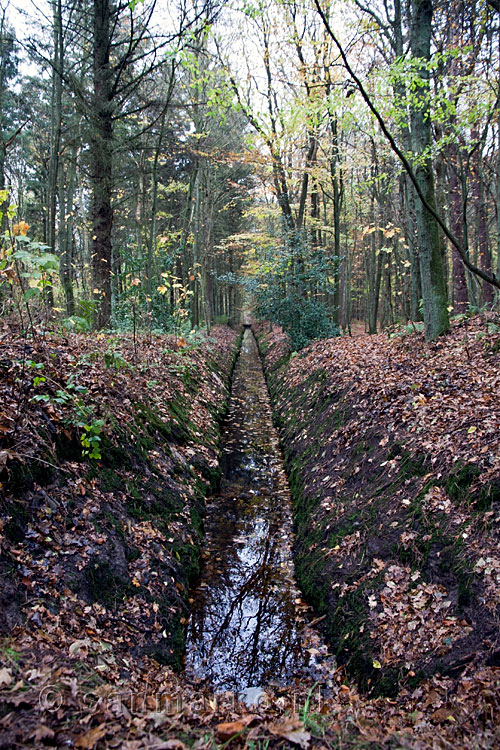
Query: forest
x: 249, y: 374
x: 175, y: 161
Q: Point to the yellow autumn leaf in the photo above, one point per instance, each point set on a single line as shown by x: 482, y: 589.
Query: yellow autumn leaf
x: 377, y: 664
x: 20, y: 229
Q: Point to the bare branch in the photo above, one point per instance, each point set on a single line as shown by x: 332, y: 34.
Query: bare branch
x: 490, y: 278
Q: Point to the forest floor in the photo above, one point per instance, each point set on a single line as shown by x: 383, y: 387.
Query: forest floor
x: 107, y: 451
x: 392, y: 449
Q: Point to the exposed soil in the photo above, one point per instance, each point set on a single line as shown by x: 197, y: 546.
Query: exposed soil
x: 393, y: 454
x: 103, y: 550
x: 392, y: 449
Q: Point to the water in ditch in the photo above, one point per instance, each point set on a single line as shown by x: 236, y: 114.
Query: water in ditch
x: 248, y: 627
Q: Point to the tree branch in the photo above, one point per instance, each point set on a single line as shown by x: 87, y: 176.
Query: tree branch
x: 490, y: 278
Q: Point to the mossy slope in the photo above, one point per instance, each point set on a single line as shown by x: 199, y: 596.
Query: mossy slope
x: 112, y: 544
x: 388, y: 535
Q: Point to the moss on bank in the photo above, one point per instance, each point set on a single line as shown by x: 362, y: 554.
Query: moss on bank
x: 368, y: 509
x: 123, y: 531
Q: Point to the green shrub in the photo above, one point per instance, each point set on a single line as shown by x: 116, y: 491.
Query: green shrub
x: 303, y: 319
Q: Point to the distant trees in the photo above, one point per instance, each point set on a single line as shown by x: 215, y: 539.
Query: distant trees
x: 8, y: 70
x: 357, y: 143
x: 416, y: 233
x: 120, y: 170
x: 428, y: 120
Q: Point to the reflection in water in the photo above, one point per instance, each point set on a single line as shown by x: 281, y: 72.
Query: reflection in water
x: 245, y: 628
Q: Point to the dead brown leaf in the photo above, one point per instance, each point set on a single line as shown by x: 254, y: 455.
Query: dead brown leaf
x: 90, y: 739
x: 292, y: 729
x: 43, y: 733
x: 5, y: 677
x: 230, y: 729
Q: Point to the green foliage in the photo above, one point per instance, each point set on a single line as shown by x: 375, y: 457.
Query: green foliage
x: 8, y: 653
x: 181, y: 368
x: 80, y: 415
x: 26, y: 266
x: 86, y: 309
x: 303, y: 319
x: 76, y: 323
x: 35, y: 265
x: 91, y: 438
x: 155, y: 312
x: 26, y: 262
x: 114, y: 359
x: 288, y: 286
x: 406, y: 330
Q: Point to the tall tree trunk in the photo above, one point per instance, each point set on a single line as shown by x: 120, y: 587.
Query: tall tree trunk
x: 374, y: 276
x: 65, y: 242
x: 85, y: 237
x: 139, y: 205
x: 337, y: 207
x: 207, y: 239
x: 461, y: 297
x: 498, y: 173
x: 66, y: 246
x: 407, y: 189
x: 154, y: 194
x: 55, y: 129
x: 479, y: 197
x: 101, y: 149
x: 498, y: 194
x: 435, y: 302
x: 3, y: 91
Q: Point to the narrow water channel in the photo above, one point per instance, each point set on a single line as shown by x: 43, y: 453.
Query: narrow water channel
x: 247, y: 627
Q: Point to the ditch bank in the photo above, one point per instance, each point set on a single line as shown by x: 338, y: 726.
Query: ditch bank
x: 393, y: 456
x: 108, y: 448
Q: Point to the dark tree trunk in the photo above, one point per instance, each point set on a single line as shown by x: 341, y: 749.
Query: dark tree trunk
x: 435, y: 302
x: 461, y: 297
x: 374, y: 276
x: 337, y: 206
x: 101, y: 147
x: 65, y: 243
x: 479, y: 197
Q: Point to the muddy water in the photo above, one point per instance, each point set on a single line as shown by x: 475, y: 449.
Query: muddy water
x: 247, y: 624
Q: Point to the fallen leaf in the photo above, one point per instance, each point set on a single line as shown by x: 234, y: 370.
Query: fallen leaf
x: 5, y: 677
x: 80, y: 647
x: 90, y: 739
x: 292, y: 730
x: 43, y: 733
x: 442, y: 714
x: 229, y: 729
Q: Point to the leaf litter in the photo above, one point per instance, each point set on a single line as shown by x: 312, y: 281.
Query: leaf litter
x: 74, y: 671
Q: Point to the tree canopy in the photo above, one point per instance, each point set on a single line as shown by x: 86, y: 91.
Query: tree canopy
x: 318, y: 161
